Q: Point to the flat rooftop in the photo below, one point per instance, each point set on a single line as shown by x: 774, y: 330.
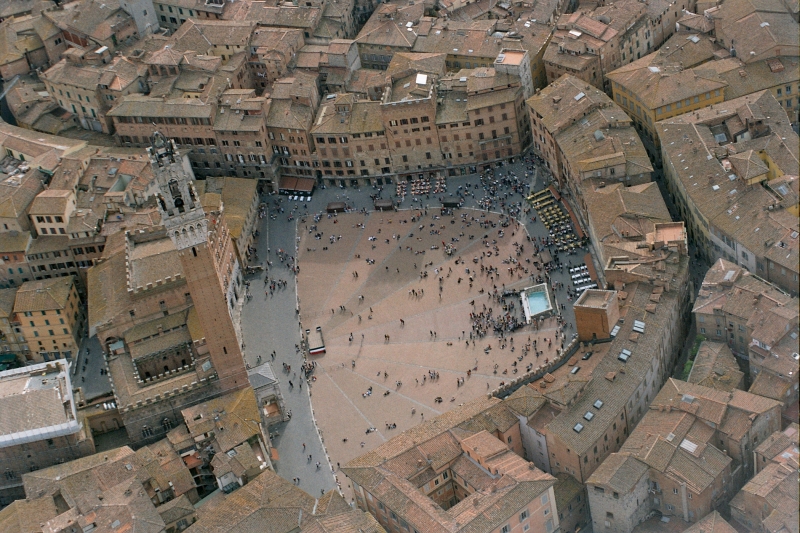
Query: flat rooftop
x: 595, y: 298
x: 671, y: 232
x: 510, y: 57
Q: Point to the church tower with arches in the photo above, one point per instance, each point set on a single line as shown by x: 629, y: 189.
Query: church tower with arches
x: 187, y: 226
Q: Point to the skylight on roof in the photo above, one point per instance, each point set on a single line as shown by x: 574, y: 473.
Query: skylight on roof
x: 654, y: 70
x: 615, y: 331
x: 578, y: 428
x: 598, y: 404
x: 579, y: 96
x: 588, y: 415
x: 688, y: 445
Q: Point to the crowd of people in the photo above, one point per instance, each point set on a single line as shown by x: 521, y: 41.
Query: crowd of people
x: 499, y: 317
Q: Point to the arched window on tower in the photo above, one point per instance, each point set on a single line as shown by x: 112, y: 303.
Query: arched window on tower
x: 177, y: 197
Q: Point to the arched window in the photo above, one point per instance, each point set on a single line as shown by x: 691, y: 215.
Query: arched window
x: 177, y: 197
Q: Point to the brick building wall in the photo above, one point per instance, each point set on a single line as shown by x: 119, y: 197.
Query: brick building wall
x: 613, y: 512
x: 24, y: 458
x: 411, y: 137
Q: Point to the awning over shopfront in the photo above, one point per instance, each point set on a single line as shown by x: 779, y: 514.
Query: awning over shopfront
x: 302, y: 186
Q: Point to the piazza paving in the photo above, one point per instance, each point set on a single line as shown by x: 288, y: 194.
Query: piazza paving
x: 357, y: 286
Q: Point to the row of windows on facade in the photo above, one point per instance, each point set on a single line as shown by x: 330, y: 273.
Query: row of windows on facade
x: 47, y: 320
x: 467, y: 64
x: 666, y: 108
x: 412, y: 120
x: 745, y: 256
x: 50, y: 332
x: 180, y: 10
x: 75, y: 110
x: 30, y: 314
x: 316, y: 164
x: 282, y: 150
x: 164, y: 120
x: 75, y: 251
x: 69, y: 95
x: 12, y: 475
x: 720, y: 334
x: 192, y: 141
x: 61, y: 266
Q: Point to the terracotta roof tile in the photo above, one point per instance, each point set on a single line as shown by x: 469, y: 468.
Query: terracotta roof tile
x: 711, y: 523
x: 43, y: 295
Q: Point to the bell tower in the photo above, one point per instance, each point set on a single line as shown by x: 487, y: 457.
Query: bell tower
x: 187, y: 226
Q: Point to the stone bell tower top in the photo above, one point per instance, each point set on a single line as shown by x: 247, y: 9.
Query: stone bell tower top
x: 181, y: 212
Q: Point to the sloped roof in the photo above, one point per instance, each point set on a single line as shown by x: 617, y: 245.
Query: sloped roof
x: 51, y: 202
x: 94, y: 18
x: 756, y: 27
x: 711, y: 523
x: 388, y: 26
x: 16, y: 517
x: 715, y: 367
x: 17, y: 193
x: 44, y: 294
x: 559, y: 103
x: 266, y: 500
x: 774, y: 488
x: 619, y: 471
x: 363, y: 117
x: 657, y: 82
